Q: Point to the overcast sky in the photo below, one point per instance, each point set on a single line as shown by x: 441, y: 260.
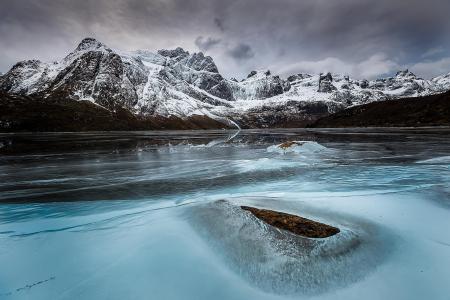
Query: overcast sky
x: 363, y: 38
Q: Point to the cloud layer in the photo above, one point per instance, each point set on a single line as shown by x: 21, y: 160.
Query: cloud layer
x: 363, y: 38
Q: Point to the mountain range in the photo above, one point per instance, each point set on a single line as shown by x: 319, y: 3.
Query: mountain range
x: 176, y: 84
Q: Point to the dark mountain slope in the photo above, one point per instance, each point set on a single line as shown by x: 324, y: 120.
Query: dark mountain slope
x: 24, y: 113
x: 431, y: 110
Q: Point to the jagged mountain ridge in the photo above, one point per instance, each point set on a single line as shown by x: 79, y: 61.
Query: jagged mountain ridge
x: 178, y: 83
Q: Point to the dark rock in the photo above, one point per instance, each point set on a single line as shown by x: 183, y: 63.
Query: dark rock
x: 289, y: 144
x: 292, y: 223
x: 325, y: 83
x: 89, y: 44
x: 175, y: 53
x: 24, y: 113
x: 299, y: 76
x: 251, y: 74
x: 292, y: 114
x: 364, y: 84
x: 406, y: 73
x: 431, y: 110
x: 200, y: 62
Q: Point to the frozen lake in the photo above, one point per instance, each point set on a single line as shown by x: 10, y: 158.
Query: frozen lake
x: 135, y: 215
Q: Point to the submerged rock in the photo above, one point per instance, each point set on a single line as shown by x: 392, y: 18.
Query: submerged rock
x: 292, y: 223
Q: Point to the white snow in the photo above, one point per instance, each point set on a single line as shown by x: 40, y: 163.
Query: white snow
x: 173, y: 87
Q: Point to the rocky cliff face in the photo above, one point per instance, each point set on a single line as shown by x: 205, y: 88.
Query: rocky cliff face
x: 92, y: 71
x: 170, y: 82
x: 180, y: 84
x: 259, y: 85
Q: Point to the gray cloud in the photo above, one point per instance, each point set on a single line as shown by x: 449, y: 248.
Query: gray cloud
x: 241, y: 51
x: 283, y: 33
x: 433, y: 52
x: 204, y: 44
x: 219, y: 24
x: 432, y: 68
x: 377, y: 64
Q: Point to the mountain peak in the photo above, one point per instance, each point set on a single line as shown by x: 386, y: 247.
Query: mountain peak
x: 90, y: 44
x: 259, y: 74
x: 177, y: 52
x: 251, y: 74
x: 405, y: 73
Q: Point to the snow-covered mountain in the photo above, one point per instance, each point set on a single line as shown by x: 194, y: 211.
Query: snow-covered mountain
x: 178, y: 83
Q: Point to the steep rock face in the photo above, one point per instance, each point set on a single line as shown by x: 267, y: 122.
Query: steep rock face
x: 92, y: 71
x: 348, y: 91
x: 198, y: 70
x: 171, y: 82
x: 98, y: 75
x: 441, y: 83
x: 26, y: 77
x: 175, y: 54
x: 404, y: 84
x: 259, y: 85
x: 298, y: 77
x: 326, y: 83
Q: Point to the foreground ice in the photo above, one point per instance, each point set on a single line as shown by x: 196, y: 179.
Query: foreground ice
x: 165, y: 236
x: 280, y: 262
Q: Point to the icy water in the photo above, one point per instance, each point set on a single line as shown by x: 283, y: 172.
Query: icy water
x: 136, y: 215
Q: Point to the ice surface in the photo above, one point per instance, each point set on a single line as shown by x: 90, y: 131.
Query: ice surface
x: 284, y: 263
x: 135, y: 215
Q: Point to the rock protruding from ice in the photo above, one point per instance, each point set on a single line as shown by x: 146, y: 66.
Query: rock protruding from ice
x: 278, y: 261
x: 292, y: 223
x: 299, y: 147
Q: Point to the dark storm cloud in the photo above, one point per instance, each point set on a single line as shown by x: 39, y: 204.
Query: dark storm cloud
x: 241, y: 51
x: 204, y: 44
x: 364, y: 37
x: 219, y: 24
